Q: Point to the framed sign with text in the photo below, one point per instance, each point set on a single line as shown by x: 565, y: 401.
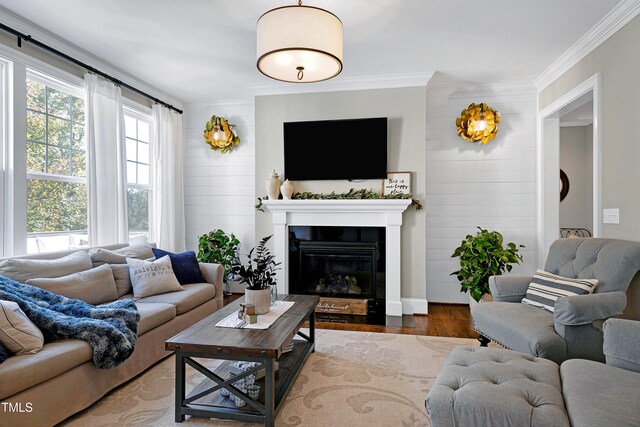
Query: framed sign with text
x: 397, y: 183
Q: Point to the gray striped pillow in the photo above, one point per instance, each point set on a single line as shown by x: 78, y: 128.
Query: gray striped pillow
x: 546, y: 288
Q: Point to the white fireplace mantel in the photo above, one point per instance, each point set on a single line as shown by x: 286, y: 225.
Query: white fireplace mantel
x: 346, y: 213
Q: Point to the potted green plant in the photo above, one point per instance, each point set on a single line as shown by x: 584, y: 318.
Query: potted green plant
x: 259, y: 275
x: 482, y: 256
x: 220, y: 248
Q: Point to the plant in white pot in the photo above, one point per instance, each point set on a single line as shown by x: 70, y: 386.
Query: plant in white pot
x: 482, y: 256
x: 258, y: 275
x: 221, y: 248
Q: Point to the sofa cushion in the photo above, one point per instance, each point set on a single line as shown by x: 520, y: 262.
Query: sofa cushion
x: 153, y: 314
x: 94, y: 286
x: 152, y: 277
x: 545, y: 288
x: 21, y: 270
x: 192, y: 296
x: 21, y: 372
x: 185, y: 266
x: 18, y: 334
x: 119, y: 256
x: 122, y: 279
x: 520, y: 327
x: 598, y: 394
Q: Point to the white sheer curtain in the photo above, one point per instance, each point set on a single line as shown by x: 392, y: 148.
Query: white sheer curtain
x: 167, y: 228
x: 106, y: 162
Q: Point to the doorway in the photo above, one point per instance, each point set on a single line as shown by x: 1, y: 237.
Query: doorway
x: 569, y: 138
x: 576, y: 171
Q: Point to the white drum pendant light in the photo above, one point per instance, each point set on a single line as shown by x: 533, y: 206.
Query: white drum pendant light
x: 299, y: 44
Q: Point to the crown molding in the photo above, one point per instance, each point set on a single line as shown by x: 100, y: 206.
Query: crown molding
x: 221, y: 103
x: 619, y: 16
x: 41, y: 34
x: 339, y: 84
x: 452, y: 90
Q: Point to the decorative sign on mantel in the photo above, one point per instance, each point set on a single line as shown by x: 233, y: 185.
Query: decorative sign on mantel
x: 397, y: 183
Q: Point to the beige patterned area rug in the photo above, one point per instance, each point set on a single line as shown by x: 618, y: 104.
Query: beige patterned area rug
x: 353, y: 379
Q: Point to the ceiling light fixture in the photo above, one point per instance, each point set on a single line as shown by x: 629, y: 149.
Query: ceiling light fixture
x: 299, y: 44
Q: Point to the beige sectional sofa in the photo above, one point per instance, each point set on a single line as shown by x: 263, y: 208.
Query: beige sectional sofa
x: 61, y: 379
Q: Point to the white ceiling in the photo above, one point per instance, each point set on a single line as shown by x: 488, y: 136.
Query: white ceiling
x: 204, y: 50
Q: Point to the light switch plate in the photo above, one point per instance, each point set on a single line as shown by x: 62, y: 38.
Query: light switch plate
x: 611, y: 216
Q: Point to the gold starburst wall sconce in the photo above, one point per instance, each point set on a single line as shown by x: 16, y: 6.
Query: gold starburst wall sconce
x: 478, y: 123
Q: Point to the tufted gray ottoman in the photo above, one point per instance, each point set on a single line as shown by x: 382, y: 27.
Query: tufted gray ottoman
x: 496, y: 387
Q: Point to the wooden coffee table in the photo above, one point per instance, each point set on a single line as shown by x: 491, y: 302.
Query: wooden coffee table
x: 205, y: 340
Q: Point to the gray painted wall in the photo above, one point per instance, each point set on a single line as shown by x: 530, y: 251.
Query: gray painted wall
x: 576, y: 160
x: 406, y: 111
x: 618, y: 62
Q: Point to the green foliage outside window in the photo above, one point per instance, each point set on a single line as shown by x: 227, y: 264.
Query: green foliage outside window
x: 138, y: 209
x: 56, y: 206
x: 55, y: 146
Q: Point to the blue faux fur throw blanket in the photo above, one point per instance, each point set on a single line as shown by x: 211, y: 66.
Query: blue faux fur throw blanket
x: 111, y: 329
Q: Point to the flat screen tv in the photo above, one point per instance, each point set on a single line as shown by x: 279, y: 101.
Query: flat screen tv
x: 336, y: 149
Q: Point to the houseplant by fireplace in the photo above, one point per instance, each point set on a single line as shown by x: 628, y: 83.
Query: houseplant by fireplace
x: 482, y: 256
x: 221, y: 248
x: 259, y: 276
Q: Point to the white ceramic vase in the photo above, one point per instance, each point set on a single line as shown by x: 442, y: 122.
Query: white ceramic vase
x: 286, y: 189
x: 260, y: 298
x: 273, y: 186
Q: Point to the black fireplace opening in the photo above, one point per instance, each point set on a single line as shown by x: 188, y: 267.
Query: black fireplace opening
x: 338, y: 262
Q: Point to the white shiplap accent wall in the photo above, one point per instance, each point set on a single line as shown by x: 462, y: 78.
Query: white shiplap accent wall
x: 219, y: 189
x: 469, y: 185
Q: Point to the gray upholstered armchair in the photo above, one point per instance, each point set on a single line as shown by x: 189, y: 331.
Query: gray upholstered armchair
x: 574, y: 329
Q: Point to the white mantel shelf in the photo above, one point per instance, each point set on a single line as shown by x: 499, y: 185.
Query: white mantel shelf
x: 346, y: 213
x: 343, y: 205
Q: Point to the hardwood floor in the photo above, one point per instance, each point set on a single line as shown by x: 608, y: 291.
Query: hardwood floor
x: 443, y: 320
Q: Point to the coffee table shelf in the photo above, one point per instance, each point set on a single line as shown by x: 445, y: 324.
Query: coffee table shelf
x: 205, y: 340
x: 286, y: 374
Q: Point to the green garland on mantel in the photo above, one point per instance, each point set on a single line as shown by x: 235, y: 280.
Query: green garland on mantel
x: 352, y: 195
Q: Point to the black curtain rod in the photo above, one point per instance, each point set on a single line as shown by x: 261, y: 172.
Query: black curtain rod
x: 27, y: 38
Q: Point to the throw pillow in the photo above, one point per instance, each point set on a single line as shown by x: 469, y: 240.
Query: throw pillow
x: 121, y: 277
x: 546, y: 288
x: 185, y: 266
x: 95, y: 286
x: 152, y: 277
x: 21, y: 269
x: 4, y: 353
x: 119, y: 256
x: 18, y: 334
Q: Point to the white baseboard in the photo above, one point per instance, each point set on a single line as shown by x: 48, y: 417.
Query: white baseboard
x: 414, y: 306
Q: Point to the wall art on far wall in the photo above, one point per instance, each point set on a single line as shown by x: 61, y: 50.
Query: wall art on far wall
x: 397, y: 183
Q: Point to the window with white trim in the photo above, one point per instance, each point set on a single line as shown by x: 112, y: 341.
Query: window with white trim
x: 56, y: 165
x: 4, y: 119
x: 138, y: 131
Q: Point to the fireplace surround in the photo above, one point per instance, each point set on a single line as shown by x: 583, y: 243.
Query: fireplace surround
x: 385, y: 213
